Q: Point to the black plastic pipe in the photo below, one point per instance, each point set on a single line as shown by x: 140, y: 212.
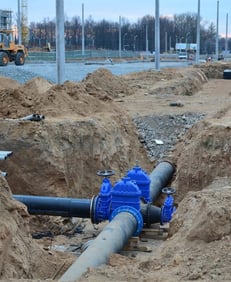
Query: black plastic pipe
x: 111, y: 240
x: 33, y: 117
x: 66, y: 207
x: 71, y: 207
x: 160, y: 178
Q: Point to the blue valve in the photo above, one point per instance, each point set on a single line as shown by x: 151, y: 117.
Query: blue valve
x: 168, y: 207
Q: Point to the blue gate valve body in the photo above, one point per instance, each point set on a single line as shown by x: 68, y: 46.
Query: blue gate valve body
x: 126, y: 198
x: 103, y: 201
x: 143, y: 181
x: 125, y: 193
x: 168, y: 207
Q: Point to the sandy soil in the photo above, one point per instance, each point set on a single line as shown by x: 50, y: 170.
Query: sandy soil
x: 198, y: 246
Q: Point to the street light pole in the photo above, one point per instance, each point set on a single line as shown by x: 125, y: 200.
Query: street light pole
x: 120, y: 36
x: 125, y: 34
x: 83, y: 36
x: 147, y: 38
x: 217, y: 35
x: 19, y: 23
x: 60, y: 44
x: 226, y: 35
x: 198, y: 33
x: 134, y: 45
x: 157, y: 36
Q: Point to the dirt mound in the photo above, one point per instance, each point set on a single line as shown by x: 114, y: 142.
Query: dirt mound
x: 103, y: 80
x: 37, y: 86
x: 168, y: 81
x: 201, y: 236
x: 79, y: 99
x: 203, y: 153
x: 214, y: 69
x: 19, y: 253
x: 84, y: 130
x: 8, y: 83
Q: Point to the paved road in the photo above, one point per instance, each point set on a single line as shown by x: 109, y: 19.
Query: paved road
x: 76, y: 71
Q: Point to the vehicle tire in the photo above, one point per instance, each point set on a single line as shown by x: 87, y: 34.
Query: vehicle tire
x: 227, y: 74
x: 20, y: 59
x: 4, y: 59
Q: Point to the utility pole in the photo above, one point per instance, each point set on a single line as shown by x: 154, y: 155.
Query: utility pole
x: 166, y: 42
x: 60, y: 44
x: 83, y: 36
x: 157, y: 36
x: 217, y: 35
x: 147, y: 38
x: 19, y: 23
x: 198, y: 32
x: 226, y: 36
x: 120, y: 36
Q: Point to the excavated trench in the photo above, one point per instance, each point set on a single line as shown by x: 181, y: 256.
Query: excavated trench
x: 86, y: 129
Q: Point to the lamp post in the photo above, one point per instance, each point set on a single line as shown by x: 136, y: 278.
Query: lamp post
x: 187, y: 48
x: 226, y: 35
x: 19, y: 23
x: 217, y: 34
x: 125, y: 34
x: 134, y: 44
x: 198, y: 32
x: 157, y: 35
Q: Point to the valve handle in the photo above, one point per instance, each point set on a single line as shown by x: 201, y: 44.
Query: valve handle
x: 168, y: 190
x: 105, y: 173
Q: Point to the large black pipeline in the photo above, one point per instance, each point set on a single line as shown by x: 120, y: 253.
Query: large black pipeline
x: 160, y: 177
x: 66, y: 207
x: 72, y: 207
x: 84, y: 208
x: 111, y: 240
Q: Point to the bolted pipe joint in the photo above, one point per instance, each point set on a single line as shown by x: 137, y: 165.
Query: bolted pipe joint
x: 137, y: 215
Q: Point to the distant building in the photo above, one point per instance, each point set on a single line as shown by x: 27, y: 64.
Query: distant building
x: 5, y: 19
x: 185, y: 47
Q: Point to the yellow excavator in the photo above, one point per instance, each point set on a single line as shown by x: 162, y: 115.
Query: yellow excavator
x: 9, y: 51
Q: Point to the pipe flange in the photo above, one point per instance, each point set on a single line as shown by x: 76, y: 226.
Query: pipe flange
x: 93, y: 205
x: 132, y: 211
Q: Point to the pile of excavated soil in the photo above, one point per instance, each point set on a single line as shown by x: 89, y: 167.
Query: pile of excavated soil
x: 204, y: 153
x: 103, y: 80
x: 84, y: 131
x: 20, y: 256
x: 87, y: 128
x: 214, y: 70
x: 169, y: 81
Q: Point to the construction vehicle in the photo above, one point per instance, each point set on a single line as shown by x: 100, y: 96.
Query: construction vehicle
x: 9, y: 50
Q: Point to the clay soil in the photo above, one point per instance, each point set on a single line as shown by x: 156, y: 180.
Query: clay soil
x: 101, y: 108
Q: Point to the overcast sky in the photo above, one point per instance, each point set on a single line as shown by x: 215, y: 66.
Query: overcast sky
x: 131, y: 10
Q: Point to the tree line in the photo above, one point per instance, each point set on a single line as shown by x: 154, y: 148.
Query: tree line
x: 137, y: 36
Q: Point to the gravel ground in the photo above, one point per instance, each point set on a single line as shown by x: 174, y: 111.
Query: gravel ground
x: 159, y: 134
x: 17, y: 73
